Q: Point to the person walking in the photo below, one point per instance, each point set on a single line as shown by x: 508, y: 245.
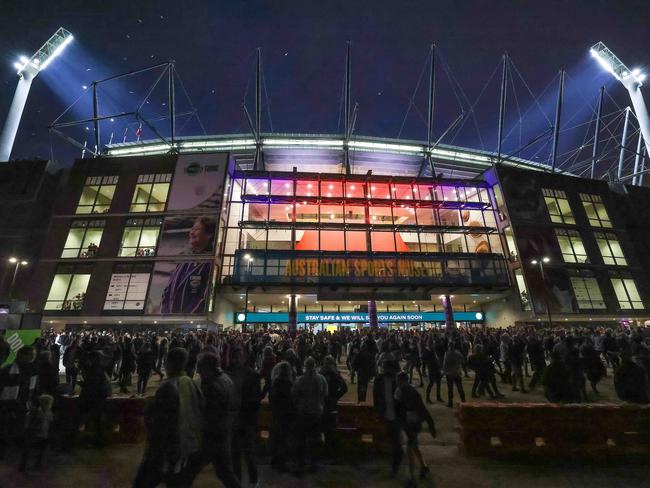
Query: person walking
x: 431, y: 363
x: 336, y: 388
x: 411, y: 413
x: 218, y: 390
x: 247, y: 398
x: 451, y: 367
x: 309, y: 394
x: 174, y: 421
x: 383, y: 394
x: 283, y: 411
x: 363, y: 365
x: 146, y: 362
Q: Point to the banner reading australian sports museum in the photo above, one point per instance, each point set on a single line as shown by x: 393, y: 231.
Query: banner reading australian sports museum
x: 253, y: 266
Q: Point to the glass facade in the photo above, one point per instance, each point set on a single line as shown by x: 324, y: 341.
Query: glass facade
x: 558, y: 206
x: 68, y: 289
x: 150, y: 194
x: 331, y: 213
x: 140, y: 238
x: 97, y: 194
x: 596, y: 211
x: 84, y: 239
x: 610, y: 249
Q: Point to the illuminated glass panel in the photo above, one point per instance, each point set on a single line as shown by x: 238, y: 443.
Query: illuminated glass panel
x: 595, y: 209
x: 97, y: 194
x: 558, y: 206
x: 150, y: 194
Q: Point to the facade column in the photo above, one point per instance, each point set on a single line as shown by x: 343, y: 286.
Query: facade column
x: 372, y: 315
x: 450, y: 324
x: 292, y: 326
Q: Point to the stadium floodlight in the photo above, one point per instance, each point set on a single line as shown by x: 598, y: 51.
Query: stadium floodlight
x: 27, y: 69
x: 632, y: 80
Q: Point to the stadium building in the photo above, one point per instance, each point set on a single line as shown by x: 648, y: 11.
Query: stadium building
x: 202, y: 237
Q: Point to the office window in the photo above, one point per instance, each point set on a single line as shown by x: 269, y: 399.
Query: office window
x: 128, y: 287
x: 150, y: 193
x: 558, y: 206
x: 68, y: 291
x: 83, y: 239
x: 595, y: 209
x: 610, y: 248
x: 570, y: 242
x: 626, y: 293
x: 97, y: 194
x: 524, y: 298
x: 510, y: 244
x: 587, y: 293
x: 140, y: 237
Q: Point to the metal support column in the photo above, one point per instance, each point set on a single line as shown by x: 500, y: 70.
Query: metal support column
x: 98, y: 149
x: 594, y: 153
x: 621, y: 155
x: 292, y: 325
x: 13, y: 117
x: 556, y: 127
x: 432, y: 92
x: 372, y: 315
x: 642, y: 170
x: 347, y: 104
x: 637, y: 158
x: 172, y: 100
x: 450, y: 324
x: 502, y: 104
x: 258, y: 107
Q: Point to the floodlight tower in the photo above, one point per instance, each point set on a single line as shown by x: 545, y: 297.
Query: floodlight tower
x: 632, y: 80
x: 28, y: 68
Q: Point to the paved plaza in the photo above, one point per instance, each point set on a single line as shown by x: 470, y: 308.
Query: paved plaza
x: 115, y: 466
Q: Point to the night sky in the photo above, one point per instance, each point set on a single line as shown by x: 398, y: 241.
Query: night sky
x: 303, y: 45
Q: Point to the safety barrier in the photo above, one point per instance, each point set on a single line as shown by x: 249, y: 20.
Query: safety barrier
x: 358, y: 425
x: 550, y: 430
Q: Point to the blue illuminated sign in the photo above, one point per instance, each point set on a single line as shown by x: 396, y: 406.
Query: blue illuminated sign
x: 355, y: 317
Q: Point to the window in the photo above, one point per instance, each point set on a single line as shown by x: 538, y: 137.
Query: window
x: 558, y: 206
x: 68, y: 290
x: 498, y: 199
x: 626, y: 293
x: 97, y: 194
x: 570, y: 242
x: 587, y: 293
x: 140, y: 237
x: 83, y: 239
x: 610, y: 249
x: 128, y: 287
x: 596, y: 212
x: 510, y: 244
x: 523, y: 291
x: 150, y: 193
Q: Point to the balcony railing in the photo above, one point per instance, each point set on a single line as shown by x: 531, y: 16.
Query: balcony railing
x: 361, y: 268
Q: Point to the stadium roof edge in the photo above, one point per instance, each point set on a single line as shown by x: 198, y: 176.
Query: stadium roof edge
x: 329, y: 142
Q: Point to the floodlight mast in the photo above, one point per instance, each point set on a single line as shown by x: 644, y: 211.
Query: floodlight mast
x: 28, y: 69
x: 632, y: 80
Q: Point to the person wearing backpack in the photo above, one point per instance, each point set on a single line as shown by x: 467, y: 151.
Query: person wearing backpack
x: 411, y: 412
x: 174, y: 421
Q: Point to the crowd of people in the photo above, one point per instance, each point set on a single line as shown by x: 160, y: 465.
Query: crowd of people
x: 206, y: 405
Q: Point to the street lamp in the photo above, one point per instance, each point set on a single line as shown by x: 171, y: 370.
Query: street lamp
x: 541, y: 262
x: 18, y: 262
x: 632, y: 80
x: 27, y: 69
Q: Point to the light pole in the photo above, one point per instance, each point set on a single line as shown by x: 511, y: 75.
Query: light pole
x: 18, y: 262
x: 540, y: 262
x: 632, y: 80
x: 27, y: 69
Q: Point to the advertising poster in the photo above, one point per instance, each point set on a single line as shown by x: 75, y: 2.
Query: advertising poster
x: 198, y: 182
x: 179, y: 288
x: 187, y: 235
x: 127, y: 291
x: 17, y: 339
